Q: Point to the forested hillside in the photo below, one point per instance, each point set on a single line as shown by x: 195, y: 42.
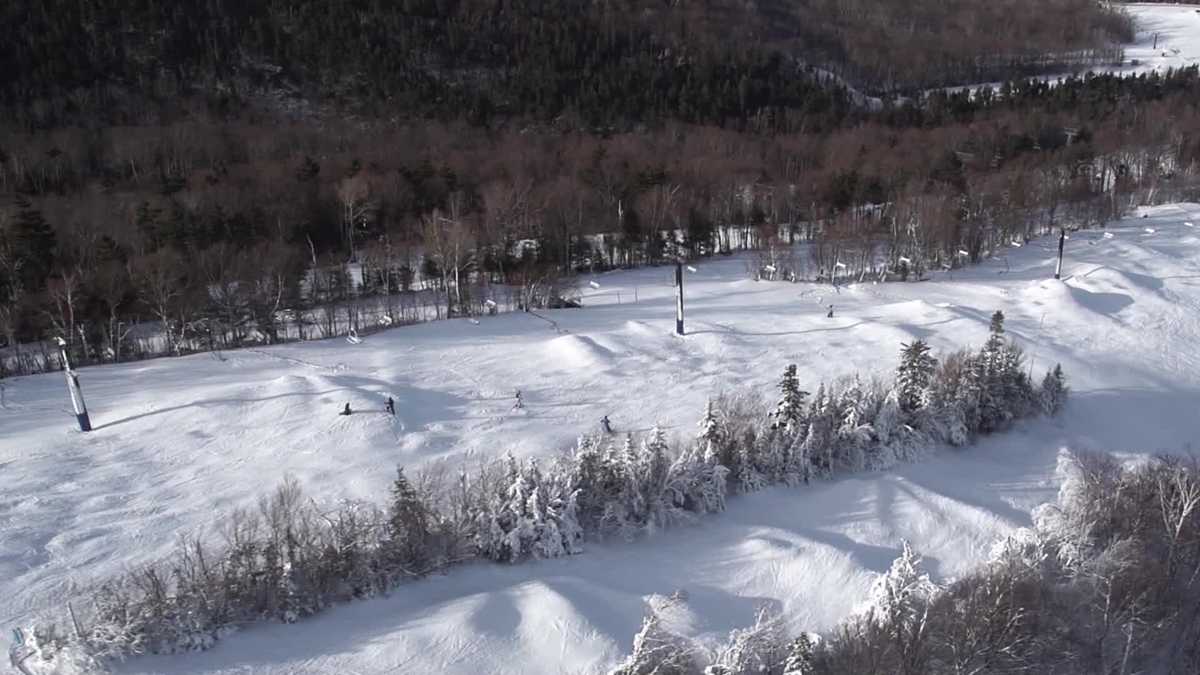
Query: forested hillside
x: 192, y: 163
x: 107, y: 61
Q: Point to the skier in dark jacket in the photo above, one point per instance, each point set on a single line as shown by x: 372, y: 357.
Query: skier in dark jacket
x: 391, y: 406
x: 605, y: 424
x: 345, y: 411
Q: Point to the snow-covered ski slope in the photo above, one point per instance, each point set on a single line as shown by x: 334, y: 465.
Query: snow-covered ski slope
x: 178, y: 441
x: 1177, y: 28
x: 1178, y: 31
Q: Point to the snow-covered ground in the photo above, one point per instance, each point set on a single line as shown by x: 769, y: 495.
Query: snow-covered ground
x: 178, y: 441
x: 1178, y: 30
x: 1167, y: 36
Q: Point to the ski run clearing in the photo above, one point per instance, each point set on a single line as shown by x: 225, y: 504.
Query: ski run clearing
x: 179, y: 441
x: 1177, y: 28
x: 1167, y: 37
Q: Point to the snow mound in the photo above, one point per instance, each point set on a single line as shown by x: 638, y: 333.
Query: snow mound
x: 578, y: 352
x: 641, y: 328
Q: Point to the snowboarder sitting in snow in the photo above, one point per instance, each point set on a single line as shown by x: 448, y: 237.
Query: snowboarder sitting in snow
x: 346, y: 411
x: 391, y: 406
x: 605, y: 425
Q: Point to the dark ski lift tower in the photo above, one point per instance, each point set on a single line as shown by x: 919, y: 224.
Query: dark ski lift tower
x: 679, y: 296
x: 81, y: 413
x: 679, y: 266
x: 1062, y: 239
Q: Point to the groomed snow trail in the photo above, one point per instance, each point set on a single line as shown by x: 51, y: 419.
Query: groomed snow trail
x: 179, y: 441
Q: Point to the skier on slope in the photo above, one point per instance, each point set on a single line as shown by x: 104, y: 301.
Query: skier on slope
x: 830, y: 314
x: 519, y: 404
x: 391, y: 406
x: 604, y: 423
x: 346, y: 410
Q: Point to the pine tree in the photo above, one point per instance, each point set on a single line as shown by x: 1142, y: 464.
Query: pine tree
x: 819, y: 441
x: 800, y: 656
x: 35, y: 244
x: 854, y: 431
x: 655, y: 450
x: 996, y: 326
x: 634, y: 492
x: 545, y: 540
x: 914, y: 375
x: 587, y: 481
x: 1016, y: 389
x: 564, y: 508
x: 710, y: 434
x: 655, y: 469
x: 997, y: 377
x: 974, y: 396
x: 408, y: 525
x: 789, y: 412
x: 1054, y: 391
x: 522, y: 528
x: 749, y: 477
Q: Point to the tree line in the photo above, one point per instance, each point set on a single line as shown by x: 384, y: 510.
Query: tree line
x: 1104, y: 582
x: 288, y: 558
x: 221, y: 232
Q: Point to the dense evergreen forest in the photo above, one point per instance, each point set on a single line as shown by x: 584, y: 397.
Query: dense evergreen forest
x: 709, y: 61
x: 212, y: 166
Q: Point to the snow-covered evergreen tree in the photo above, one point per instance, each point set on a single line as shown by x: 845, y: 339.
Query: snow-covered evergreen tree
x: 544, y: 540
x: 888, y: 420
x: 655, y: 451
x: 823, y: 422
x: 407, y: 525
x: 1054, y: 391
x: 1016, y: 390
x: 789, y: 411
x: 519, y: 533
x: 895, y: 441
x: 996, y: 326
x: 636, y: 489
x: 855, y: 432
x: 563, y: 511
x: 587, y: 480
x: 655, y: 469
x: 799, y: 659
x: 710, y: 434
x: 914, y: 375
x: 749, y: 476
x: 713, y: 488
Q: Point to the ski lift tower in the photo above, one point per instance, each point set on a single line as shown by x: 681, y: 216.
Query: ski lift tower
x: 679, y: 266
x: 1062, y: 239
x: 81, y: 413
x: 679, y: 296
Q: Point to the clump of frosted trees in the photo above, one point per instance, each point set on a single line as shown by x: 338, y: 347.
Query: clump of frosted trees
x: 288, y: 558
x: 1106, y: 581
